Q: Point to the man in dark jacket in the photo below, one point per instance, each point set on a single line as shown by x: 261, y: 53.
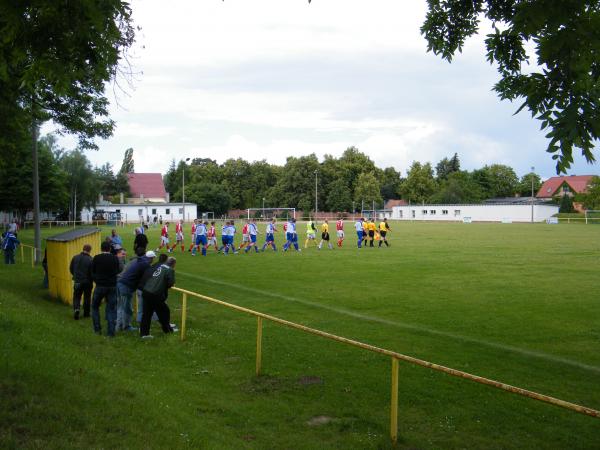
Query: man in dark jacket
x: 9, y: 245
x: 81, y: 270
x: 127, y: 284
x: 155, y: 290
x: 105, y: 268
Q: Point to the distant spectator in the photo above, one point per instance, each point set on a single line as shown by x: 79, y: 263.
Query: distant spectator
x: 155, y: 292
x: 9, y: 245
x: 115, y: 238
x: 105, y: 268
x: 13, y: 227
x: 127, y: 284
x: 141, y: 240
x: 81, y: 270
x: 160, y: 220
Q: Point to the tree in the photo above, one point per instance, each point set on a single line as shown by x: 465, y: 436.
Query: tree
x: 81, y: 183
x: 447, y: 166
x: 338, y: 196
x: 459, y: 187
x: 170, y: 178
x: 296, y: 185
x: 563, y: 91
x: 502, y: 180
x: 367, y: 190
x: 591, y: 199
x: 127, y: 166
x: 566, y: 204
x: 106, y: 180
x: 419, y: 184
x: 390, y: 183
x: 524, y: 186
x: 208, y: 197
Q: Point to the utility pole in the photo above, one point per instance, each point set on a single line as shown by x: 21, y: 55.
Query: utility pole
x: 316, y: 193
x: 183, y: 188
x: 37, y: 238
x: 532, y: 169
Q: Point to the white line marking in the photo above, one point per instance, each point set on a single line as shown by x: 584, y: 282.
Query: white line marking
x: 406, y: 326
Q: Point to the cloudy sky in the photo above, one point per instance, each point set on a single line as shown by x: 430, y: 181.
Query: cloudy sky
x: 266, y: 79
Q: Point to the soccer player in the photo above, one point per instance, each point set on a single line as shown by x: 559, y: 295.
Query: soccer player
x: 384, y: 227
x: 365, y: 225
x: 164, y: 237
x: 372, y: 227
x: 178, y: 236
x: 291, y: 236
x: 245, y: 235
x: 200, y: 239
x: 194, y: 224
x: 252, y: 231
x: 325, y: 235
x: 270, y: 236
x: 212, y: 236
x: 358, y: 225
x: 311, y: 233
x: 339, y: 226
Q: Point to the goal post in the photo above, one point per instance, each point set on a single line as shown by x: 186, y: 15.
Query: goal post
x: 269, y: 213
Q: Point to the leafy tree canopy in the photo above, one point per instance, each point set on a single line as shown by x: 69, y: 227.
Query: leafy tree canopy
x: 563, y: 89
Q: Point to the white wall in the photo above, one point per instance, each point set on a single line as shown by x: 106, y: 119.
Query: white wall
x: 131, y: 213
x: 477, y: 213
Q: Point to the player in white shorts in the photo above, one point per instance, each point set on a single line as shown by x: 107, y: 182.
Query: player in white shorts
x: 178, y: 237
x: 339, y: 226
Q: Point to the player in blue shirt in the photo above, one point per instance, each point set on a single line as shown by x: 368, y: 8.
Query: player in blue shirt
x: 358, y: 225
x: 291, y: 236
x: 252, y: 231
x: 200, y: 239
x: 270, y: 236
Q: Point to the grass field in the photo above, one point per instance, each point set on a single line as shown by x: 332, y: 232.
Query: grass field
x: 517, y: 303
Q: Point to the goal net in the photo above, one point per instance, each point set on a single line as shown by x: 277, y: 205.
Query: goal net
x: 270, y: 213
x: 592, y: 216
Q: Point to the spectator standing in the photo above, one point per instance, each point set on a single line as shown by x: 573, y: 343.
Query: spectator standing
x: 155, y: 292
x: 126, y: 285
x: 140, y: 241
x: 81, y: 270
x: 150, y: 255
x: 9, y: 245
x: 105, y: 268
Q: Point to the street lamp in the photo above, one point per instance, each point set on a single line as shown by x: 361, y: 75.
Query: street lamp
x: 532, y: 169
x: 183, y: 188
x: 263, y: 208
x: 316, y: 193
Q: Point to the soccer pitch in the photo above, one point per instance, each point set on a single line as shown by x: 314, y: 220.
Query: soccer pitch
x: 516, y: 303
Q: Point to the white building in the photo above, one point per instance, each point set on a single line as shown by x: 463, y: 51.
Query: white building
x: 475, y: 213
x: 132, y: 213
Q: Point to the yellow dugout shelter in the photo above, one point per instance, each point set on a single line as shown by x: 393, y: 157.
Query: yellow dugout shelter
x: 60, y: 250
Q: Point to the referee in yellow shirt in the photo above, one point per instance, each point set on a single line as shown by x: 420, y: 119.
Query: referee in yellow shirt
x: 372, y: 227
x: 384, y: 227
x: 325, y: 235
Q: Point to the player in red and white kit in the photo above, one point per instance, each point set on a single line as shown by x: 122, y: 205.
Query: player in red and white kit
x: 245, y: 236
x: 212, y: 236
x: 178, y: 237
x: 193, y: 235
x: 164, y: 237
x: 339, y: 226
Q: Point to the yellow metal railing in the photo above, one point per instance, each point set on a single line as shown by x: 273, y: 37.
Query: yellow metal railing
x: 396, y: 357
x: 22, y: 246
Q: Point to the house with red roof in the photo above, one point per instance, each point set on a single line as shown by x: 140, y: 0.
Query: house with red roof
x: 147, y: 187
x: 564, y: 185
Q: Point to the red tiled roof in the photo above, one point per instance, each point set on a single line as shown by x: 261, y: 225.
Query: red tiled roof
x: 577, y: 183
x: 149, y: 184
x: 391, y: 203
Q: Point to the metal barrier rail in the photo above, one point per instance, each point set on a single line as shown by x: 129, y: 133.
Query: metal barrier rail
x: 396, y: 357
x: 32, y: 254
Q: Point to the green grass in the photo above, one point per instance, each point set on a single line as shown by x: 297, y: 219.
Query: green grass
x: 516, y: 303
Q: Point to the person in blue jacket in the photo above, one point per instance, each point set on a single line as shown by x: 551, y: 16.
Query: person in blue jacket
x: 9, y: 245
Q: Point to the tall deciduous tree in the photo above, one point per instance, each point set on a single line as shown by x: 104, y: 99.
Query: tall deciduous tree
x: 524, y: 186
x: 419, y: 185
x: 563, y: 89
x: 447, y: 166
x: 367, y: 190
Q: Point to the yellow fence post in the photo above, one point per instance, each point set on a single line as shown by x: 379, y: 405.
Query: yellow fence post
x: 394, y: 402
x: 22, y: 255
x: 183, y: 315
x: 258, y: 344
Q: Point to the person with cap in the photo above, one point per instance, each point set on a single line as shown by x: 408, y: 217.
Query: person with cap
x: 9, y: 246
x: 81, y: 270
x: 127, y: 284
x: 158, y: 280
x: 105, y: 268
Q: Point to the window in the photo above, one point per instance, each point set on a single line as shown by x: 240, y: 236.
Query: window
x: 154, y: 211
x: 400, y: 214
x: 432, y: 212
x: 180, y: 210
x: 565, y: 188
x: 424, y: 212
x: 413, y: 213
x: 140, y: 212
x: 168, y: 211
x: 117, y: 210
x: 444, y: 212
x: 456, y: 212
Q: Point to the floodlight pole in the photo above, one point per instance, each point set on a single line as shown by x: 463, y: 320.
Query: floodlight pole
x: 183, y: 189
x: 316, y: 193
x: 263, y: 208
x: 532, y: 169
